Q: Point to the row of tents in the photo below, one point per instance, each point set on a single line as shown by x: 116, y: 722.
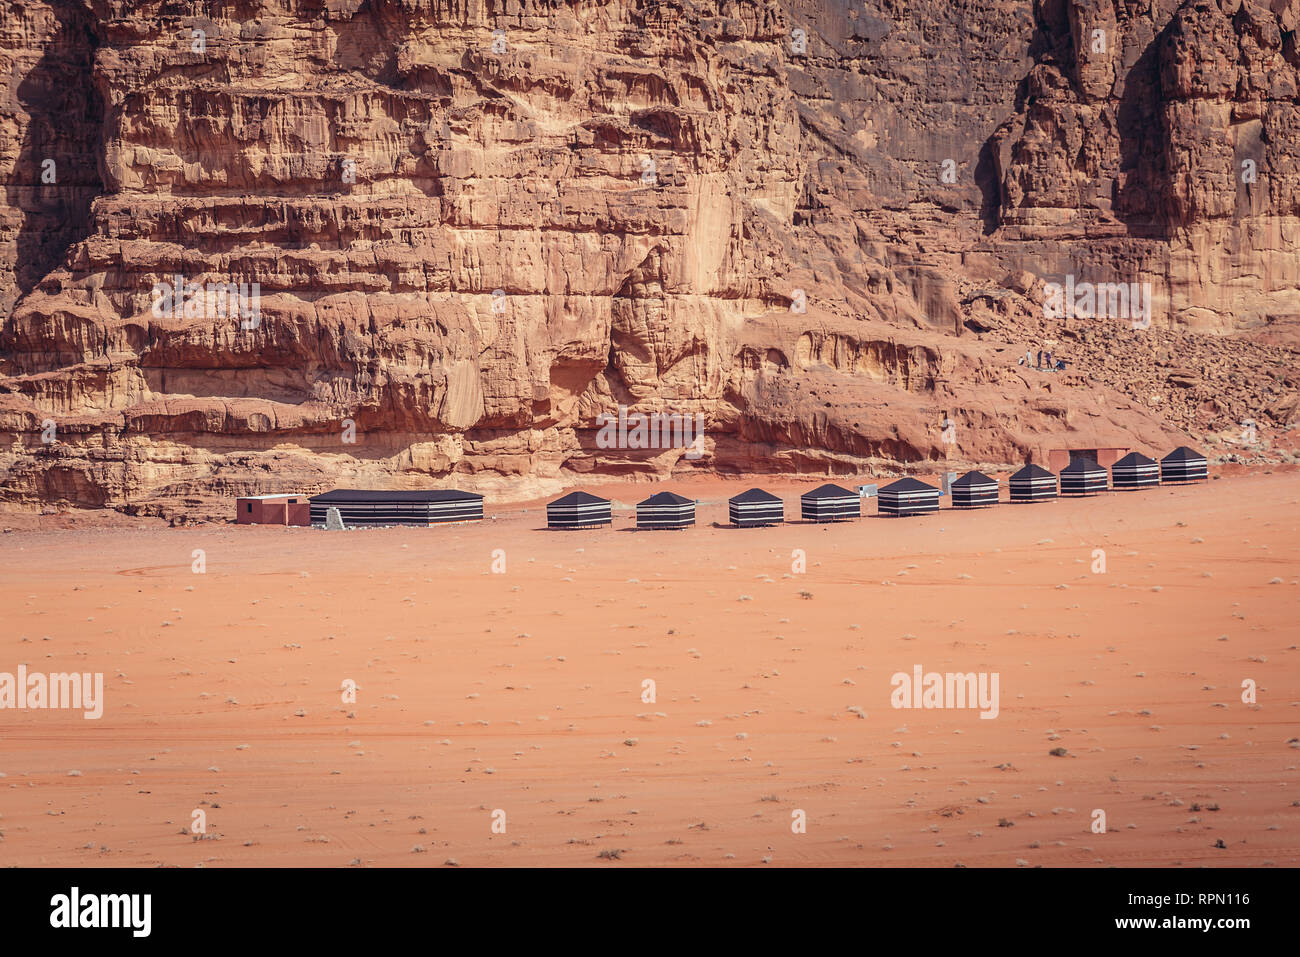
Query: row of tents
x: 756, y: 507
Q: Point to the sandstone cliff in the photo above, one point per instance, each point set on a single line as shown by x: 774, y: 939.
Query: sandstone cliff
x: 476, y: 225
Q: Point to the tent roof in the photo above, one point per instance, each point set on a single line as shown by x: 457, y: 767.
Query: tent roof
x: 580, y: 498
x: 755, y: 495
x: 1082, y: 465
x: 1134, y: 458
x: 666, y: 498
x: 829, y: 491
x: 1032, y: 471
x: 908, y: 484
x: 379, y: 495
x: 1183, y: 454
x: 973, y: 477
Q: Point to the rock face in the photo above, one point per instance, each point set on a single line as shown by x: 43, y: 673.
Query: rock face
x: 425, y: 242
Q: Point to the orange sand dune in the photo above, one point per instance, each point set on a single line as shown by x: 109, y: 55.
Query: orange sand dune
x: 522, y: 691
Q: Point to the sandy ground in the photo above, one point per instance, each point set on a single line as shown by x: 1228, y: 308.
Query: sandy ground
x: 522, y: 692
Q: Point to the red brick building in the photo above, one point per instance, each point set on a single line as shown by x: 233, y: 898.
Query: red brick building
x: 272, y: 510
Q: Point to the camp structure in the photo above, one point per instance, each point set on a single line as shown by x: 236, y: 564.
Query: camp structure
x: 1134, y: 471
x: 578, y: 510
x: 908, y: 496
x: 665, y: 510
x: 371, y: 507
x: 282, y: 509
x: 830, y: 503
x: 755, y: 507
x: 1033, y: 483
x: 972, y: 490
x: 1082, y: 477
x: 1184, y: 465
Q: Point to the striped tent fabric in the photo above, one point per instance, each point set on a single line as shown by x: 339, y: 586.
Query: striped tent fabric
x: 1134, y: 471
x: 1033, y: 483
x: 665, y: 510
x: 908, y: 496
x: 372, y: 507
x: 1184, y: 465
x: 1083, y: 477
x: 579, y: 510
x: 755, y: 507
x: 973, y: 490
x: 830, y: 503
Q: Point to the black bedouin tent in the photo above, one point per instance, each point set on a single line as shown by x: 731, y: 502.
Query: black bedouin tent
x: 1033, y: 483
x: 579, y: 510
x: 755, y: 507
x: 665, y: 510
x: 830, y: 503
x: 1083, y: 477
x: 376, y: 507
x: 973, y: 490
x: 908, y: 496
x: 1184, y: 465
x: 1135, y: 470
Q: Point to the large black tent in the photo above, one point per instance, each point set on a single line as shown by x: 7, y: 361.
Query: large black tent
x: 908, y: 496
x: 376, y: 507
x: 578, y: 510
x: 755, y: 507
x: 1135, y: 470
x: 1083, y: 477
x: 1033, y: 483
x: 665, y: 510
x: 973, y: 490
x: 830, y: 503
x: 1184, y: 465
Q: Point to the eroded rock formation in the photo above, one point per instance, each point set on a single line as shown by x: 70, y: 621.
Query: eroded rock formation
x: 476, y: 225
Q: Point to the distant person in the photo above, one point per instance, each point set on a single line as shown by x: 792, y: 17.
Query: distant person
x: 1029, y: 357
x: 1039, y: 364
x: 1048, y: 355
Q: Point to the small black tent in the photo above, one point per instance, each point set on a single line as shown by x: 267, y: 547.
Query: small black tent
x: 1184, y: 465
x: 973, y: 490
x: 830, y: 503
x: 1083, y: 477
x: 378, y: 507
x: 908, y: 496
x: 1134, y: 471
x: 578, y: 510
x: 665, y: 510
x: 1033, y: 483
x: 755, y: 507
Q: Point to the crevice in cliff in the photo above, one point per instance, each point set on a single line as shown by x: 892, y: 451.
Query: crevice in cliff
x: 63, y: 142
